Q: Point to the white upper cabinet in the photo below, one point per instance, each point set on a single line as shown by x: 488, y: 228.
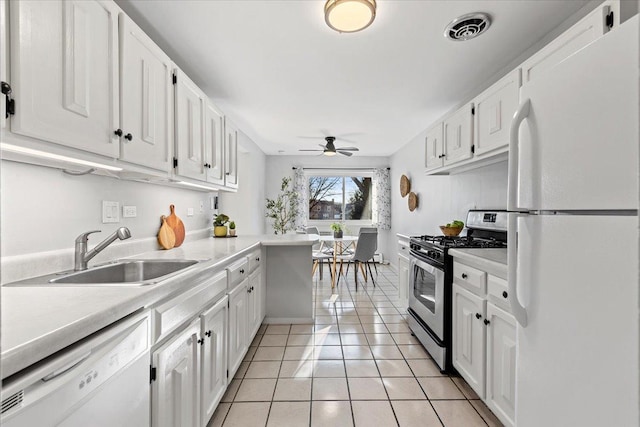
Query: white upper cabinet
x: 231, y: 154
x: 64, y: 73
x: 494, y: 109
x: 434, y: 148
x: 458, y: 135
x: 189, y: 114
x: 214, y: 144
x: 145, y: 99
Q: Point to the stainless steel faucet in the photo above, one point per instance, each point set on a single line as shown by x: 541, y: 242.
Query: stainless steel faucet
x: 82, y: 257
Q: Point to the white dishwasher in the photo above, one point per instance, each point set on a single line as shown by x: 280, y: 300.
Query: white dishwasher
x: 102, y: 381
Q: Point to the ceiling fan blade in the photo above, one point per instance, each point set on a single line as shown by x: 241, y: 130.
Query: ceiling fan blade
x: 346, y: 153
x: 323, y: 146
x: 311, y: 150
x: 348, y: 149
x: 311, y: 137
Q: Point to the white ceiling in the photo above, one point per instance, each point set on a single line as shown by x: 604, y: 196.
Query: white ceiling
x: 280, y: 73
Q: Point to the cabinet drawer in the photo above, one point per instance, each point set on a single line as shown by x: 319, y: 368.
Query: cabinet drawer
x: 171, y: 314
x: 237, y: 271
x: 497, y: 289
x: 471, y: 278
x: 254, y: 259
x: 403, y: 248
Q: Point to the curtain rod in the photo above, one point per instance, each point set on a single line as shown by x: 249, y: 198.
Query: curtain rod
x: 337, y: 169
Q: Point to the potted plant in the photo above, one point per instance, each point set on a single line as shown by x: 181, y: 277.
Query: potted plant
x: 284, y: 208
x: 337, y: 230
x: 232, y: 228
x: 219, y: 227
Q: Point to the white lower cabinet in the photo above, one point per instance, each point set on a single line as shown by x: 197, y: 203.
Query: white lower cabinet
x: 469, y: 338
x: 213, y: 324
x: 238, y: 303
x: 501, y: 363
x: 403, y: 281
x: 484, y: 339
x: 254, y: 311
x: 175, y: 400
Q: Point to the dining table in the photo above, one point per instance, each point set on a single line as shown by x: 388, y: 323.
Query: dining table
x: 340, y: 246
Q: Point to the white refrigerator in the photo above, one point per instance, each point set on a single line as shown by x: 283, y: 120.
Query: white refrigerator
x: 573, y: 238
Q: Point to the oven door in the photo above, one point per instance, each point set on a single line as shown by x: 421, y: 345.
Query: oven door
x: 426, y: 298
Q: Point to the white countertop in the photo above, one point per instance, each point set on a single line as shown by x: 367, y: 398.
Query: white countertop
x: 37, y: 321
x: 491, y: 260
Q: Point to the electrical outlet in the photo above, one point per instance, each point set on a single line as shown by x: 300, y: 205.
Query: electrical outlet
x: 110, y: 212
x: 201, y: 206
x: 129, y: 212
x: 189, y: 211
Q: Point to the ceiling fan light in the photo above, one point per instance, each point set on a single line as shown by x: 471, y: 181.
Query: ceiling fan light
x: 329, y: 153
x: 349, y: 16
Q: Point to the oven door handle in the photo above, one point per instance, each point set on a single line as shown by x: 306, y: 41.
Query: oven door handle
x: 423, y: 265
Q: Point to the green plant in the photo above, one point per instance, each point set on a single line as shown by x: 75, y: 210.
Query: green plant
x: 283, y: 209
x: 232, y: 225
x: 220, y: 220
x: 336, y: 226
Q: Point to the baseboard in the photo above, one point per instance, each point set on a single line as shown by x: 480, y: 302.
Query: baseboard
x: 287, y: 320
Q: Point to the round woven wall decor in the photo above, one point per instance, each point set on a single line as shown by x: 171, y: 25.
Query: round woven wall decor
x: 405, y: 185
x: 413, y: 201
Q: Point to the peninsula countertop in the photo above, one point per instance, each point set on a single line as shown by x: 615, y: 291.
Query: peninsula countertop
x: 38, y: 321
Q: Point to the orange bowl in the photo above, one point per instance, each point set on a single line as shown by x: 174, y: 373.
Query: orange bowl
x: 450, y: 231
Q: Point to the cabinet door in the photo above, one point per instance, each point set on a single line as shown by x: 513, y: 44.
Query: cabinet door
x: 403, y: 281
x: 145, y: 99
x: 433, y: 148
x: 214, y: 358
x: 469, y: 338
x: 575, y: 38
x: 501, y: 364
x: 214, y: 144
x: 175, y: 392
x: 231, y: 154
x: 255, y: 303
x: 64, y: 73
x: 458, y: 135
x: 237, y: 326
x: 189, y: 116
x: 494, y: 109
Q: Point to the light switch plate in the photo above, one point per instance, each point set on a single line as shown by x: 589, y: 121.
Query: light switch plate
x: 129, y: 212
x: 110, y: 212
x: 189, y: 211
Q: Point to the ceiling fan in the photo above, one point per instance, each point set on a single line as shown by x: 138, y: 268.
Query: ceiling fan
x: 330, y: 149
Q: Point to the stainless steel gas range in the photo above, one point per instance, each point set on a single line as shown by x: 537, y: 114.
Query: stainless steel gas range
x: 431, y: 278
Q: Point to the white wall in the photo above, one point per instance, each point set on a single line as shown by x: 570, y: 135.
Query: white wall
x: 44, y: 209
x: 441, y: 198
x: 246, y: 207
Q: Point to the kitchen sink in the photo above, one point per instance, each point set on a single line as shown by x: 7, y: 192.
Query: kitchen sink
x: 119, y: 273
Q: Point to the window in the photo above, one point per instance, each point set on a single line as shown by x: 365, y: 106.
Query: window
x: 340, y: 198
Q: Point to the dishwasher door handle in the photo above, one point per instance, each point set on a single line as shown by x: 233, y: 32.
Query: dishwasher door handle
x: 66, y: 368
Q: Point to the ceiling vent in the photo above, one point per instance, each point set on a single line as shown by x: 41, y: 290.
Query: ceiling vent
x: 467, y: 27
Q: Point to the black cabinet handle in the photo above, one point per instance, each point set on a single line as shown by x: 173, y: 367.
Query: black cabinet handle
x: 486, y: 322
x: 464, y: 275
x: 505, y: 294
x: 128, y: 137
x: 208, y: 333
x: 118, y: 132
x: 252, y: 289
x: 478, y: 315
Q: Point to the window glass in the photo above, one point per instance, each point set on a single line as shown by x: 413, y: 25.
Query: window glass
x: 339, y: 198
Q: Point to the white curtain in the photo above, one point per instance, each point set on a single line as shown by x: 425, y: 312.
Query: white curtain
x: 301, y: 187
x: 382, y: 199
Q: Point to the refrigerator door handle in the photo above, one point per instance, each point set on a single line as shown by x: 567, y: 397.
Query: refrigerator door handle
x: 519, y: 311
x: 514, y: 148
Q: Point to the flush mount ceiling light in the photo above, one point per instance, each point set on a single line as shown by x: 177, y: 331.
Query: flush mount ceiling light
x: 349, y: 16
x: 467, y: 27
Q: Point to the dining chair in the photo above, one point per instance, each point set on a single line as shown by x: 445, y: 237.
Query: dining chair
x: 319, y: 254
x: 366, y: 248
x: 375, y: 231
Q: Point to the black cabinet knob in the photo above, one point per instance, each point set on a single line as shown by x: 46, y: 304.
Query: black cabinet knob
x: 505, y: 294
x: 242, y: 271
x: 464, y: 275
x: 478, y: 315
x: 201, y: 341
x: 208, y: 333
x: 258, y: 259
x: 486, y: 322
x: 128, y: 137
x: 118, y: 132
x: 252, y: 289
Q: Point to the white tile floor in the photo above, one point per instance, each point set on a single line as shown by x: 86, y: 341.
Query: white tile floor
x: 358, y: 365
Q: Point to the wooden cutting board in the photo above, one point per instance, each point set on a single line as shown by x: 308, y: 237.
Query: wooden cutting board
x: 166, y: 236
x: 176, y: 225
